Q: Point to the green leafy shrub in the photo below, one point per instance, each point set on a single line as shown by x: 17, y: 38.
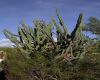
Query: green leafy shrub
x: 40, y: 68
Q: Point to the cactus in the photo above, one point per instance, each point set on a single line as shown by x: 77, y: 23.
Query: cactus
x: 74, y: 43
x: 68, y: 47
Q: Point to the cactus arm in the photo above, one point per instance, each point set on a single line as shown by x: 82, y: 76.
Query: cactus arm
x: 62, y: 23
x: 77, y: 26
x: 25, y: 38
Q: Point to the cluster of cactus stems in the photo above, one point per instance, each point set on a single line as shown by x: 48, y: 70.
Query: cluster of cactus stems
x: 40, y: 38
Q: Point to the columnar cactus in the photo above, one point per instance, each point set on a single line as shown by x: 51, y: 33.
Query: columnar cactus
x: 40, y: 38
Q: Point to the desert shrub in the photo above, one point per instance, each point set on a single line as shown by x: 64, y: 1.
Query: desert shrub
x: 40, y: 68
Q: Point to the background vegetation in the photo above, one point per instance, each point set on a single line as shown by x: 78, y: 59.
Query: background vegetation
x: 17, y: 68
